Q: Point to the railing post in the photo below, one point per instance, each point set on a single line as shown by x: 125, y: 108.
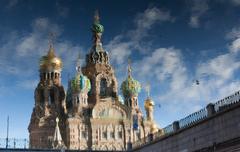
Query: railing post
x: 175, y: 126
x: 210, y: 109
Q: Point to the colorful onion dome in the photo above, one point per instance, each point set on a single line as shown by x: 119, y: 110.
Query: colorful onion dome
x: 50, y: 61
x: 130, y: 87
x: 80, y: 83
x: 97, y: 28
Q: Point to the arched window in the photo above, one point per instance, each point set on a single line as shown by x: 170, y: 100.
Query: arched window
x: 103, y: 87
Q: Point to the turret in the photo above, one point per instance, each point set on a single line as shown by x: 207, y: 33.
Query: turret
x: 98, y: 68
x: 130, y: 89
x: 149, y: 107
x: 49, y: 101
x: 50, y: 92
x: 77, y: 93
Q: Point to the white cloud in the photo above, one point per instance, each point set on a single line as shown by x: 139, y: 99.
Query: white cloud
x: 194, y: 21
x: 235, y: 2
x: 151, y: 15
x: 62, y: 10
x: 11, y: 3
x: 36, y: 42
x: 22, y: 49
x: 163, y: 64
x: 198, y: 9
x: 144, y: 21
x: 178, y: 93
x: 222, y: 66
x: 234, y: 33
x: 235, y: 46
x: 120, y: 49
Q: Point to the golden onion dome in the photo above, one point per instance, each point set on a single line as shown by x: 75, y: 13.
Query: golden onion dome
x: 148, y: 103
x: 50, y: 61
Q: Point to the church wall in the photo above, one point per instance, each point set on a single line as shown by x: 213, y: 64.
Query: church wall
x: 77, y: 134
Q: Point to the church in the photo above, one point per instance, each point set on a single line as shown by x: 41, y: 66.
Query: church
x: 89, y: 114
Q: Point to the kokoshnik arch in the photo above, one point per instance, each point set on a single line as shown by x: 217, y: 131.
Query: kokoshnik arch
x: 90, y: 115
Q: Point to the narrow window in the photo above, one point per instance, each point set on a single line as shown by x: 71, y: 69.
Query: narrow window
x: 103, y: 87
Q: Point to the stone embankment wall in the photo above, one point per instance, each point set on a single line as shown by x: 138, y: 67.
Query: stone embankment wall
x: 214, y: 128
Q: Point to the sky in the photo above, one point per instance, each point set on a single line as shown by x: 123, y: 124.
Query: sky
x: 171, y: 45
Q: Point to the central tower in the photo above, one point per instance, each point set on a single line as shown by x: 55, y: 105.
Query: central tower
x: 98, y: 68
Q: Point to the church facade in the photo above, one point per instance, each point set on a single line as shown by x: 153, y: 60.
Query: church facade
x: 90, y: 114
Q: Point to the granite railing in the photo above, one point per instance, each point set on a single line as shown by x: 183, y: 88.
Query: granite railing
x: 190, y: 120
x: 227, y: 101
x: 168, y: 129
x: 193, y: 118
x: 14, y: 143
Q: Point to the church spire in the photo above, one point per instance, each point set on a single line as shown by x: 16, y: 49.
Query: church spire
x: 97, y: 30
x: 149, y: 104
x: 51, y: 51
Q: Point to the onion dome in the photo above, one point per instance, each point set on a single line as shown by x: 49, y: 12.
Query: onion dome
x: 148, y: 104
x: 50, y: 61
x: 80, y: 83
x: 97, y: 27
x: 130, y: 87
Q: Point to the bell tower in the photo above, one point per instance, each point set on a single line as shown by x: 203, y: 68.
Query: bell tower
x: 49, y: 101
x: 98, y: 68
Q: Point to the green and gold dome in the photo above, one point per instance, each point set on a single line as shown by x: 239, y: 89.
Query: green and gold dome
x: 80, y: 83
x: 97, y: 27
x: 130, y: 87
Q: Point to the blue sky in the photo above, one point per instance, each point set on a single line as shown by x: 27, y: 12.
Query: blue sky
x: 171, y: 44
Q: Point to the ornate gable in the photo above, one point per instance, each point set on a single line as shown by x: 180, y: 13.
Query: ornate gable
x: 109, y: 110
